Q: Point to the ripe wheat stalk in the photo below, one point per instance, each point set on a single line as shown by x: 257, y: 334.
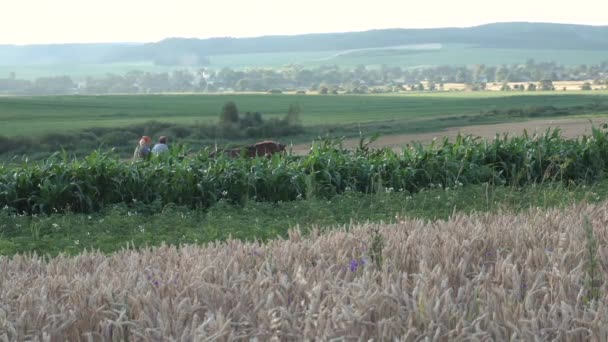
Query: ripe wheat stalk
x: 481, y: 277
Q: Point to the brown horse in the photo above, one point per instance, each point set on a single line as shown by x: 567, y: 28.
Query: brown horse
x: 263, y: 148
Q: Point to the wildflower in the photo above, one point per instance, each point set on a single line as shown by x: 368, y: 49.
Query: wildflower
x: 88, y: 233
x: 77, y: 242
x: 142, y: 229
x: 156, y: 283
x: 224, y: 193
x: 101, y: 221
x: 55, y: 225
x: 89, y: 217
x: 363, y: 261
x: 353, y: 265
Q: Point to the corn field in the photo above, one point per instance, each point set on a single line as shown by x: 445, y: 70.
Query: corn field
x: 198, y: 181
x: 537, y: 276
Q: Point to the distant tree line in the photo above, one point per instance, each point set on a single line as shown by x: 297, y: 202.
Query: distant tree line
x: 324, y: 79
x: 232, y: 126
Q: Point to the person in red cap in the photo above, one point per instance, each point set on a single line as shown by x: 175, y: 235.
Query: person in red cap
x: 142, y: 151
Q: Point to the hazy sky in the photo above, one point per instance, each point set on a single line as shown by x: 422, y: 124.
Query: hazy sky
x: 71, y: 21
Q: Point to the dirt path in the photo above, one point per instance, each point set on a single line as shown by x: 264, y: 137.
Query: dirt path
x: 571, y: 128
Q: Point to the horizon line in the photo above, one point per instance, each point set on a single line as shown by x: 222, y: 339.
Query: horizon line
x: 299, y: 34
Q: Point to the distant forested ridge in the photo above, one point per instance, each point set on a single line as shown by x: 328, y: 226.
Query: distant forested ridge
x: 189, y: 52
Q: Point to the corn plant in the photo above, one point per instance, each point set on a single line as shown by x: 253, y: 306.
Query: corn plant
x: 101, y: 179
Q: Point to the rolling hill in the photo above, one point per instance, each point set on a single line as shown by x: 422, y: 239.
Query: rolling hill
x: 516, y: 40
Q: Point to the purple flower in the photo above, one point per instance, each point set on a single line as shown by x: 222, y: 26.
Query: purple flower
x: 156, y: 283
x: 353, y: 265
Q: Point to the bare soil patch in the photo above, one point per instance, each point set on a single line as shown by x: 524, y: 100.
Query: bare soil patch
x: 571, y: 128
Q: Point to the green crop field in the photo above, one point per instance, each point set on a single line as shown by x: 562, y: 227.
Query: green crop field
x: 38, y: 115
x: 406, y: 56
x: 464, y: 55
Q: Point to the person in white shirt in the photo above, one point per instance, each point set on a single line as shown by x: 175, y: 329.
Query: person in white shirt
x: 161, y: 146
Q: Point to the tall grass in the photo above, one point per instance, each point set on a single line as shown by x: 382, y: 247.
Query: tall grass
x: 100, y: 179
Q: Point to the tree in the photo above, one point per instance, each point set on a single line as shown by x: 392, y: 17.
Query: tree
x: 546, y: 85
x: 230, y: 113
x: 531, y: 87
x: 461, y: 76
x: 181, y: 80
x: 243, y: 84
x: 505, y: 87
x: 586, y: 86
x: 53, y: 85
x: 502, y: 74
x: 479, y: 73
x: 293, y: 114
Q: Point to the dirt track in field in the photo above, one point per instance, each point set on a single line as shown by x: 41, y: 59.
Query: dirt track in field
x: 571, y: 128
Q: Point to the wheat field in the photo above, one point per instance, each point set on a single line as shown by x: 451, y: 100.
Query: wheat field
x: 536, y: 276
